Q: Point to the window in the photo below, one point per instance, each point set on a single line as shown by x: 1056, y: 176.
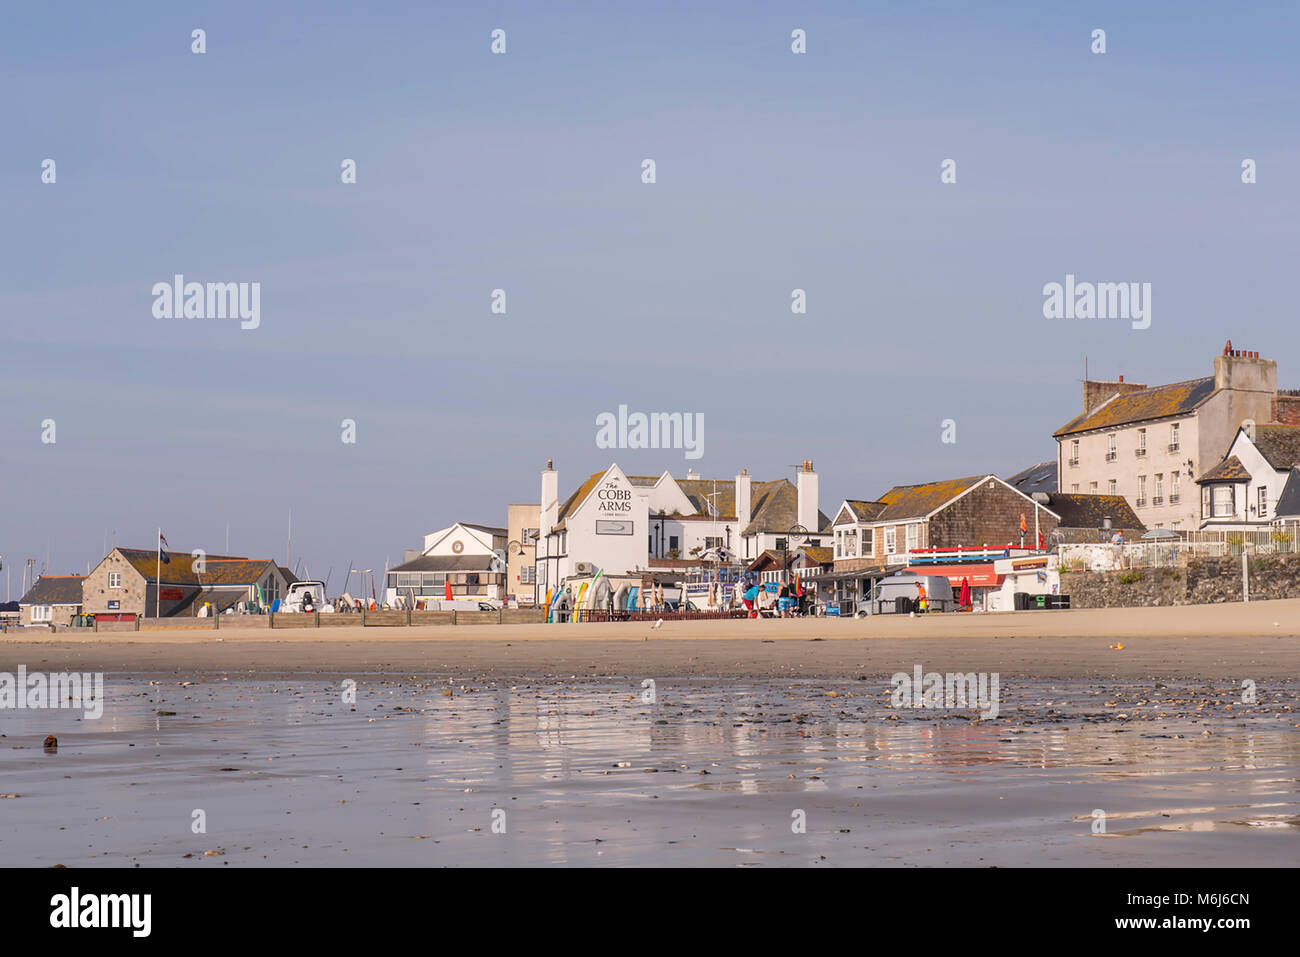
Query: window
x: 527, y: 575
x: 868, y: 543
x: 42, y: 613
x: 780, y: 544
x: 1111, y: 452
x: 114, y: 579
x: 1174, y: 495
x: 1112, y: 487
x: 1175, y: 526
x: 891, y: 539
x: 913, y: 536
x: 1074, y: 451
x: 1092, y: 488
x: 1142, y: 491
x: 1223, y: 502
x: 528, y: 536
x: 672, y: 543
x: 1142, y: 443
x: 1159, y: 497
x: 1174, y: 443
x: 1263, y: 500
x: 1075, y: 488
x: 712, y: 542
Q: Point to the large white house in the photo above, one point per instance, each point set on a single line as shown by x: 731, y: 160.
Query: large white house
x: 627, y: 524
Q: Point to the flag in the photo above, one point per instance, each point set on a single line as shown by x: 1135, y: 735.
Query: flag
x: 1040, y: 539
x: 162, y: 544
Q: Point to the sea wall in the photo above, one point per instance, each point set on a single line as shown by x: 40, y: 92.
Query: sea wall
x: 1199, y: 582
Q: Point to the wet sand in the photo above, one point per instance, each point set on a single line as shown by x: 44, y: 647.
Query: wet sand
x: 416, y: 773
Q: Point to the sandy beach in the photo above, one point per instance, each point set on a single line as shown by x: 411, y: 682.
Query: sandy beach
x: 1260, y: 638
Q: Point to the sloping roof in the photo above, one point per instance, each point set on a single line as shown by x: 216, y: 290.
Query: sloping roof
x: 223, y: 598
x: 1036, y: 478
x: 446, y: 563
x: 1288, y: 503
x: 239, y: 571
x: 776, y: 508
x: 701, y: 494
x: 915, y: 501
x: 819, y: 553
x: 178, y: 569
x: 289, y: 577
x: 579, y: 494
x: 490, y: 529
x: 1229, y: 470
x: 1178, y: 398
x: 1279, y: 444
x: 864, y: 511
x: 54, y: 590
x: 1089, y: 511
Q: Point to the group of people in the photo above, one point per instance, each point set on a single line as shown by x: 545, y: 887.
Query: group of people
x: 789, y: 601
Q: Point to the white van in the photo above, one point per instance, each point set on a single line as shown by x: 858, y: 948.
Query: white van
x: 887, y: 591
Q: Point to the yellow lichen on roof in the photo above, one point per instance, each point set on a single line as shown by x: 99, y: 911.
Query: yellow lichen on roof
x: 1160, y: 401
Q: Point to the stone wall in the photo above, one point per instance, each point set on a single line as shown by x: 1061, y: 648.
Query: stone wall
x: 1201, y: 582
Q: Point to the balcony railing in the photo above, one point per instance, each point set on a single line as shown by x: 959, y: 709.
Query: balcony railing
x: 1175, y: 498
x: 1158, y: 500
x: 1111, y: 456
x: 1139, y: 452
x: 1141, y: 503
x: 1072, y: 463
x: 1174, y: 446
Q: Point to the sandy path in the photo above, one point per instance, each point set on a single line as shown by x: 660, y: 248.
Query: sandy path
x: 1232, y: 641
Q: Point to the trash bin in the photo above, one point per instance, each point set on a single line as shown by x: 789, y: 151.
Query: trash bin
x: 1040, y: 601
x: 1019, y: 600
x: 902, y: 605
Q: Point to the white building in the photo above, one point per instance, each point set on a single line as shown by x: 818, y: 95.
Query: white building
x: 628, y: 524
x: 469, y: 557
x: 1244, y: 490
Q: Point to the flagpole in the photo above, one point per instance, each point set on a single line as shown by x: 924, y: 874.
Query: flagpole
x: 157, y: 590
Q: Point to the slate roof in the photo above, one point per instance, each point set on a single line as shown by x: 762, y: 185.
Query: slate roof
x: 54, y: 590
x: 1088, y: 511
x: 1288, y: 503
x: 916, y: 501
x: 1036, y: 478
x: 1178, y: 398
x: 1279, y: 444
x: 178, y: 570
x: 446, y: 563
x: 700, y: 492
x: 490, y: 529
x: 238, y: 571
x: 1229, y: 470
x: 863, y: 511
x: 819, y: 553
x: 776, y: 508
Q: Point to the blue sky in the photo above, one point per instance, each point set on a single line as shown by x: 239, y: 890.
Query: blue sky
x: 775, y: 171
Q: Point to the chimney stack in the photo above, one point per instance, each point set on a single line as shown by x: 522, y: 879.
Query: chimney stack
x: 550, y: 500
x: 744, y: 494
x: 807, y: 489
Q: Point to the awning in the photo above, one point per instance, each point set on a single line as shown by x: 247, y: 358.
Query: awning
x: 981, y: 576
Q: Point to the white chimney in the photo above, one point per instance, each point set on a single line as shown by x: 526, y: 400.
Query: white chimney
x: 550, y: 500
x: 744, y: 496
x: 807, y: 514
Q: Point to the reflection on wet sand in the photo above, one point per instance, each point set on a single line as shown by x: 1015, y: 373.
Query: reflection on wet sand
x: 589, y: 773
